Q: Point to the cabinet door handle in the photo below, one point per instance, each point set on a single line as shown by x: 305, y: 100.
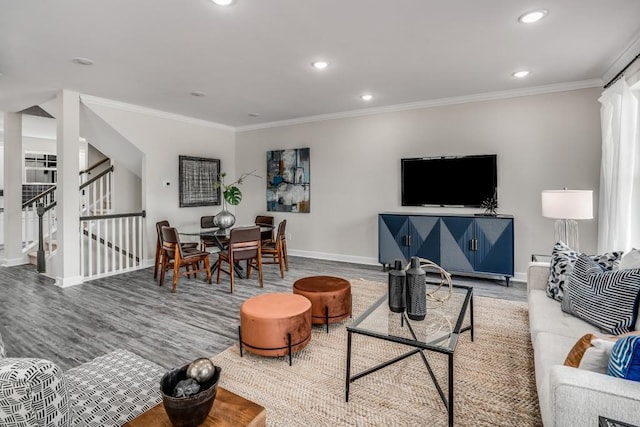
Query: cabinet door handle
x: 409, y: 240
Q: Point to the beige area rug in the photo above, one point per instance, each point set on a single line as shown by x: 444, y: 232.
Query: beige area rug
x: 494, y: 375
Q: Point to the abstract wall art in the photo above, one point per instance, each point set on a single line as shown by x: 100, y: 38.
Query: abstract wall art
x: 288, y: 183
x: 197, y: 175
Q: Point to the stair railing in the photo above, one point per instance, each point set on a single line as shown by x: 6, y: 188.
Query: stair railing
x: 30, y: 223
x: 84, y: 174
x: 41, y: 253
x: 111, y: 244
x: 96, y: 194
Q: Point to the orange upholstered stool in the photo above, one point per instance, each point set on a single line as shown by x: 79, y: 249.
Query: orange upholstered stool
x: 330, y: 298
x: 275, y: 324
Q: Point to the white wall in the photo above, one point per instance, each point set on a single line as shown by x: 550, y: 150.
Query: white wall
x: 542, y: 142
x: 162, y: 138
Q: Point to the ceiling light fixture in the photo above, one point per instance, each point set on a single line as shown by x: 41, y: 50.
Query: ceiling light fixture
x: 533, y: 16
x: 197, y: 93
x: 254, y: 114
x: 319, y: 65
x: 82, y: 61
x: 224, y: 2
x: 366, y: 97
x: 520, y: 74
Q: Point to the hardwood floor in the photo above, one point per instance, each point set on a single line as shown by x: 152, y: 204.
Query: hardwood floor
x: 73, y: 325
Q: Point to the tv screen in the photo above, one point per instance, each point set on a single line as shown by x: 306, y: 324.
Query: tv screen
x: 449, y: 181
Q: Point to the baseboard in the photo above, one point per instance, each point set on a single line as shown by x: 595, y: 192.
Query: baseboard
x: 13, y: 262
x: 65, y: 282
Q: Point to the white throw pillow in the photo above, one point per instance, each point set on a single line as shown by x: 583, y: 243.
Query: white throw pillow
x: 596, y: 358
x: 630, y: 260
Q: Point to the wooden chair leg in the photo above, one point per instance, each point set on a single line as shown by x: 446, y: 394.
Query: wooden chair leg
x: 176, y: 273
x: 207, y: 266
x: 286, y: 255
x: 219, y: 269
x: 157, y: 261
x: 231, y: 269
x: 260, y: 269
x: 281, y: 262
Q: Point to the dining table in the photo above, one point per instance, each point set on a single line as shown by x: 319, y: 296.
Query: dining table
x: 221, y: 237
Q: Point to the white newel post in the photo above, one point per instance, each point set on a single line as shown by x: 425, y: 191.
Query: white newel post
x: 67, y: 193
x: 13, y: 190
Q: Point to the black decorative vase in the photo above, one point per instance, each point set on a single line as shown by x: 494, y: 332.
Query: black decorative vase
x: 416, y: 291
x: 397, y: 279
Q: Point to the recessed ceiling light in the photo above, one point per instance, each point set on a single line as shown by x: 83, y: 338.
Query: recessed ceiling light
x: 254, y: 114
x: 82, y: 61
x: 197, y: 93
x: 520, y: 74
x: 366, y: 97
x: 533, y: 16
x: 223, y: 2
x: 319, y: 65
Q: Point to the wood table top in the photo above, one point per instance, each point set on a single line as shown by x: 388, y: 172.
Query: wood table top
x: 228, y: 410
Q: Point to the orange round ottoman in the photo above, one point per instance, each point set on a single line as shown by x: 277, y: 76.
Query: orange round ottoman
x: 330, y: 298
x: 275, y: 324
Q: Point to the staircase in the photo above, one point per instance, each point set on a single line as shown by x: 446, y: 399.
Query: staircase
x: 109, y: 243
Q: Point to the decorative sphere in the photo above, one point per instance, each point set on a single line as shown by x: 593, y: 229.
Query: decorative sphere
x: 201, y: 370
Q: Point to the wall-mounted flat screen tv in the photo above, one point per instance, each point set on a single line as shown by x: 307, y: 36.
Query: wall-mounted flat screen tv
x: 464, y: 181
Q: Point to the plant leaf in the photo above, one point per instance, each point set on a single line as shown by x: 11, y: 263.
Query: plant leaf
x: 233, y: 195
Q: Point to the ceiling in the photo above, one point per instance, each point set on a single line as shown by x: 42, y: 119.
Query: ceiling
x: 255, y: 56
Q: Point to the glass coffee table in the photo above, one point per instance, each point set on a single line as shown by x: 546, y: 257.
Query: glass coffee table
x: 438, y: 332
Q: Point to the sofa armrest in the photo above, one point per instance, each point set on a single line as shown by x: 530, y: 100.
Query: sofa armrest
x: 33, y: 392
x: 538, y: 275
x: 579, y: 396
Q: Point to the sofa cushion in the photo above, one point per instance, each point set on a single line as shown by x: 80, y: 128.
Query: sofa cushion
x: 625, y: 358
x: 606, y: 299
x: 545, y: 315
x: 113, y: 389
x: 563, y: 259
x: 33, y: 392
x: 548, y: 350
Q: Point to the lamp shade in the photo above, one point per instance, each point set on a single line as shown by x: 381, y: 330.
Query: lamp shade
x: 567, y: 204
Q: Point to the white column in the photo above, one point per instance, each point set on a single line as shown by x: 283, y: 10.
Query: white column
x: 13, y: 190
x: 67, y: 193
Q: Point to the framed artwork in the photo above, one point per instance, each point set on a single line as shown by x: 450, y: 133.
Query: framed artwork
x: 196, y: 176
x: 288, y: 181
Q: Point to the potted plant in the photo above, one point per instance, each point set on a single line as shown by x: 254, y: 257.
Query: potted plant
x: 230, y: 194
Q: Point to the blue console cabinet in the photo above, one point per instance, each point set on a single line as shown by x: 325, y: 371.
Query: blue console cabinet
x: 460, y: 244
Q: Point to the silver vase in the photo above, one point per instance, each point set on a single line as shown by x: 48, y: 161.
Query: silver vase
x: 224, y: 219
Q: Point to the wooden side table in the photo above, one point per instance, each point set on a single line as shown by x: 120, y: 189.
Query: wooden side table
x: 228, y: 410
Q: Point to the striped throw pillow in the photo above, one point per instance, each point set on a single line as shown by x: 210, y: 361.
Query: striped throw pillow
x: 606, y: 299
x: 625, y: 358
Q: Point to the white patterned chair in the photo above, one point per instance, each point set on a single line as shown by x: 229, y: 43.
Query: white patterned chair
x: 107, y: 391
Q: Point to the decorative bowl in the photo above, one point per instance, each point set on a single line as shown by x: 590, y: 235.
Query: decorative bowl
x: 188, y: 411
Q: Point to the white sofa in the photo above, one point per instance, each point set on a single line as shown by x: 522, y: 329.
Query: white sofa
x: 571, y: 396
x: 107, y: 391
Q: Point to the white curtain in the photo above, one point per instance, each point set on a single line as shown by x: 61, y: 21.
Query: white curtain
x: 619, y: 207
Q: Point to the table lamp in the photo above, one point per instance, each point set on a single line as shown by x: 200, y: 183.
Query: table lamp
x: 566, y: 206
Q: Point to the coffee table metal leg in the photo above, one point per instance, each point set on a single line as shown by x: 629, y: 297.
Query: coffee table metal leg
x: 326, y: 316
x: 348, y: 379
x: 289, y: 345
x: 471, y: 315
x: 240, y: 339
x: 450, y: 403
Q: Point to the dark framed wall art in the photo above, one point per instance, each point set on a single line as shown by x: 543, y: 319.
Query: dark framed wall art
x: 197, y: 175
x: 288, y: 180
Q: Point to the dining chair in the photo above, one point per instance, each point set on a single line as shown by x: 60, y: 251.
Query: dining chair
x: 158, y: 259
x: 265, y: 220
x: 273, y: 252
x: 244, y: 245
x: 174, y: 256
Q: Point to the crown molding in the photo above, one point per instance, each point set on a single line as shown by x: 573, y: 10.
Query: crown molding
x: 628, y: 53
x: 488, y: 96
x: 94, y: 100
